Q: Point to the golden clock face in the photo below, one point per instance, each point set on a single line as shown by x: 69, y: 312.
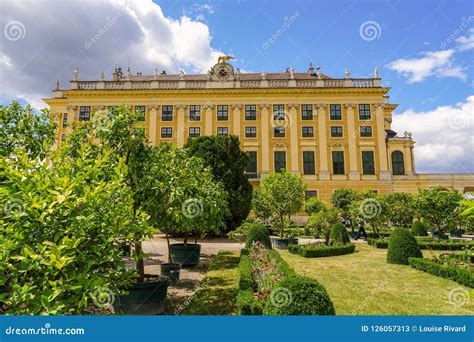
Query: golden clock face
x: 222, y: 73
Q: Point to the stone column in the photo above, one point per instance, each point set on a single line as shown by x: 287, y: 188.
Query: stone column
x: 352, y: 133
x: 408, y: 160
x: 153, y: 115
x: 236, y: 119
x: 208, y: 119
x: 72, y: 114
x: 323, y: 143
x: 265, y: 138
x: 381, y: 143
x: 292, y: 124
x: 181, y: 125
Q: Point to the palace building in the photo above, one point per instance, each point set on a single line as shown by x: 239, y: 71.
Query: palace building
x: 334, y: 132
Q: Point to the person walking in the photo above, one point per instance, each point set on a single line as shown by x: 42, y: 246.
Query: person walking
x: 361, y: 231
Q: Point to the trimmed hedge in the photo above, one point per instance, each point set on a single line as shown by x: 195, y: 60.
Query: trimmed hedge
x: 419, y: 229
x: 439, y: 245
x: 322, y: 251
x: 401, y: 246
x: 459, y: 275
x: 339, y: 234
x: 378, y: 243
x: 299, y: 295
x: 257, y: 232
x: 245, y: 302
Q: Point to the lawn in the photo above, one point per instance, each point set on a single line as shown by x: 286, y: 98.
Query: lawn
x: 363, y: 283
x: 217, y: 292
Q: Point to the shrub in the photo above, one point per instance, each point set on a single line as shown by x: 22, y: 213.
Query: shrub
x: 314, y: 205
x: 299, y: 295
x: 339, y: 234
x: 321, y: 250
x: 460, y: 275
x: 428, y: 244
x: 401, y: 246
x: 257, y: 232
x: 378, y: 243
x: 419, y: 229
x: 245, y: 302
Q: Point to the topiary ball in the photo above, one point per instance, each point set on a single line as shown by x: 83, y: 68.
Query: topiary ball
x: 339, y: 234
x: 257, y: 232
x: 419, y: 229
x: 401, y: 246
x: 298, y: 295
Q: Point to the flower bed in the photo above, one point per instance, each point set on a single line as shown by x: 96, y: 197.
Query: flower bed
x: 457, y: 267
x: 318, y: 250
x: 430, y: 244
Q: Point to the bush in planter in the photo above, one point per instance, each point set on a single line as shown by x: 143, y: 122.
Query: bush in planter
x: 258, y: 233
x: 339, y: 234
x: 419, y: 229
x: 402, y: 246
x: 298, y: 295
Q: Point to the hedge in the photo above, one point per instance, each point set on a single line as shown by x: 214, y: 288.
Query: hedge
x: 245, y: 302
x: 339, y: 234
x: 419, y: 229
x: 401, y: 246
x: 258, y: 232
x: 323, y: 251
x: 429, y: 245
x: 459, y: 275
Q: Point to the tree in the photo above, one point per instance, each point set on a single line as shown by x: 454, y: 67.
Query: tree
x: 401, y: 208
x: 342, y: 199
x: 439, y: 207
x: 322, y: 221
x: 260, y: 208
x: 371, y: 208
x: 283, y: 194
x: 23, y: 127
x: 228, y: 164
x: 313, y: 205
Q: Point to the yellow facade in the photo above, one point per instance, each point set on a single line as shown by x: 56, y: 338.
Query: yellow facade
x: 347, y: 103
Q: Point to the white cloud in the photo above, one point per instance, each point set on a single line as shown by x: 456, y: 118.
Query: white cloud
x: 94, y: 36
x: 444, y: 137
x: 431, y: 63
x: 466, y: 42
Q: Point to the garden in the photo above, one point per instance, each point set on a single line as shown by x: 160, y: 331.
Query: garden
x: 108, y: 224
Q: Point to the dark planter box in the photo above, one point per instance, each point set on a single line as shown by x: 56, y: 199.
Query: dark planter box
x: 283, y: 243
x: 186, y: 255
x: 171, y: 271
x: 148, y: 298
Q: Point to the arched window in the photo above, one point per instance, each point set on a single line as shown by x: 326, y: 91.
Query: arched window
x: 398, y: 165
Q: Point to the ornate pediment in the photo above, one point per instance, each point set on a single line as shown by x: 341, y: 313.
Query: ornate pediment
x: 222, y: 71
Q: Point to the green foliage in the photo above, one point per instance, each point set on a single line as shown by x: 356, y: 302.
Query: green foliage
x: 257, y: 232
x: 439, y: 208
x: 320, y: 250
x: 228, y: 164
x: 371, y: 208
x: 283, y: 194
x: 339, y: 234
x: 419, y: 229
x: 429, y: 244
x: 401, y: 246
x: 401, y: 208
x: 27, y: 129
x: 457, y: 274
x: 342, y: 199
x: 322, y: 221
x: 300, y: 296
x: 314, y: 205
x: 260, y: 208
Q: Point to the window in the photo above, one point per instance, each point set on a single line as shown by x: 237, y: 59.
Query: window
x: 250, y: 132
x: 310, y: 193
x: 307, y: 112
x: 167, y: 113
x: 142, y: 111
x: 336, y: 131
x: 398, y: 164
x: 195, y: 113
x: 279, y: 160
x: 64, y: 120
x: 364, y: 112
x: 279, y: 132
x: 335, y: 112
x: 252, y: 164
x: 365, y: 131
x: 338, y: 162
x: 63, y: 137
x: 368, y: 165
x: 222, y: 131
x: 278, y: 112
x: 194, y: 132
x: 250, y: 112
x: 222, y: 113
x: 166, y: 132
x: 84, y: 113
x: 308, y: 163
x: 308, y: 131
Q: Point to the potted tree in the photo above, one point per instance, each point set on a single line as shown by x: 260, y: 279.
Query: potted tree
x: 283, y: 194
